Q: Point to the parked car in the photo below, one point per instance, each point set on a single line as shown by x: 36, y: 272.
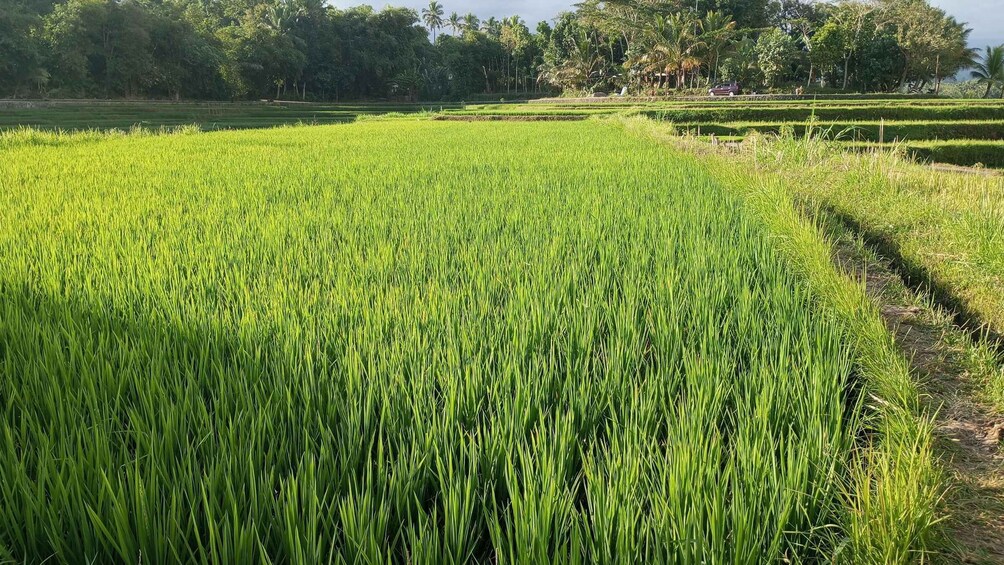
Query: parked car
x: 731, y: 89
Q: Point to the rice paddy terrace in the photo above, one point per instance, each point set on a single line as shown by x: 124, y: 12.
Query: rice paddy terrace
x: 69, y: 115
x: 958, y: 132
x: 507, y: 333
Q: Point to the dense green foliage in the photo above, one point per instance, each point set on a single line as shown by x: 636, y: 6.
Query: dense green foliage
x: 305, y: 50
x: 240, y: 49
x: 408, y: 340
x: 869, y: 45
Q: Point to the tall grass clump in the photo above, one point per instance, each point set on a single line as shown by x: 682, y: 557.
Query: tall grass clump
x: 409, y: 342
x: 30, y: 136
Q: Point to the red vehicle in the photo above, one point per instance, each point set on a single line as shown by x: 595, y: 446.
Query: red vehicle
x: 731, y: 89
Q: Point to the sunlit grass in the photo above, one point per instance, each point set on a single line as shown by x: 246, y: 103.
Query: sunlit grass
x: 410, y: 341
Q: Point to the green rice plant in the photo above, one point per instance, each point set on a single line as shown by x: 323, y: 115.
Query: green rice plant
x: 416, y: 341
x: 943, y: 228
x: 892, y: 488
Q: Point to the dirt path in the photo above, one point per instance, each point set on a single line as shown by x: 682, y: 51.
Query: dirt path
x: 970, y: 435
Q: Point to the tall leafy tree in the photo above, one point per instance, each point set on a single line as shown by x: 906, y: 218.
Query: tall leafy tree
x: 22, y: 60
x: 774, y: 50
x: 741, y: 63
x: 953, y: 51
x: 854, y: 21
x: 261, y: 54
x: 917, y: 27
x: 830, y: 48
x: 515, y: 39
x: 101, y: 47
x: 575, y: 57
x: 748, y: 14
x: 186, y: 60
x: 879, y: 63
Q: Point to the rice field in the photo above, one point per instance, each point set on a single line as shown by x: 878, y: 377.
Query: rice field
x: 950, y: 131
x: 82, y: 115
x: 429, y: 342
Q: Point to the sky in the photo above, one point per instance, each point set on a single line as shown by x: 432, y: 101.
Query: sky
x: 986, y: 17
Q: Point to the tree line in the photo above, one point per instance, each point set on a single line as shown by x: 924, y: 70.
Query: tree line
x: 860, y: 45
x: 305, y: 50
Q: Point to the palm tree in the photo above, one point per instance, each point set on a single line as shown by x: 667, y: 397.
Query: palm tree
x: 455, y: 23
x: 583, y: 68
x: 433, y: 17
x: 717, y: 29
x: 491, y: 26
x: 281, y: 16
x: 512, y: 39
x: 990, y: 71
x: 671, y: 48
x: 952, y: 50
x: 471, y: 22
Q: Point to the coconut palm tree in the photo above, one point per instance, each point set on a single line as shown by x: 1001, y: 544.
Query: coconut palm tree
x: 281, y: 16
x: 433, y: 17
x: 671, y: 48
x: 717, y: 30
x: 455, y: 23
x: 471, y: 22
x: 990, y: 71
x: 491, y: 26
x: 583, y: 68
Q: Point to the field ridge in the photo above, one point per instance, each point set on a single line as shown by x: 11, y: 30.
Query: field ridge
x: 950, y: 364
